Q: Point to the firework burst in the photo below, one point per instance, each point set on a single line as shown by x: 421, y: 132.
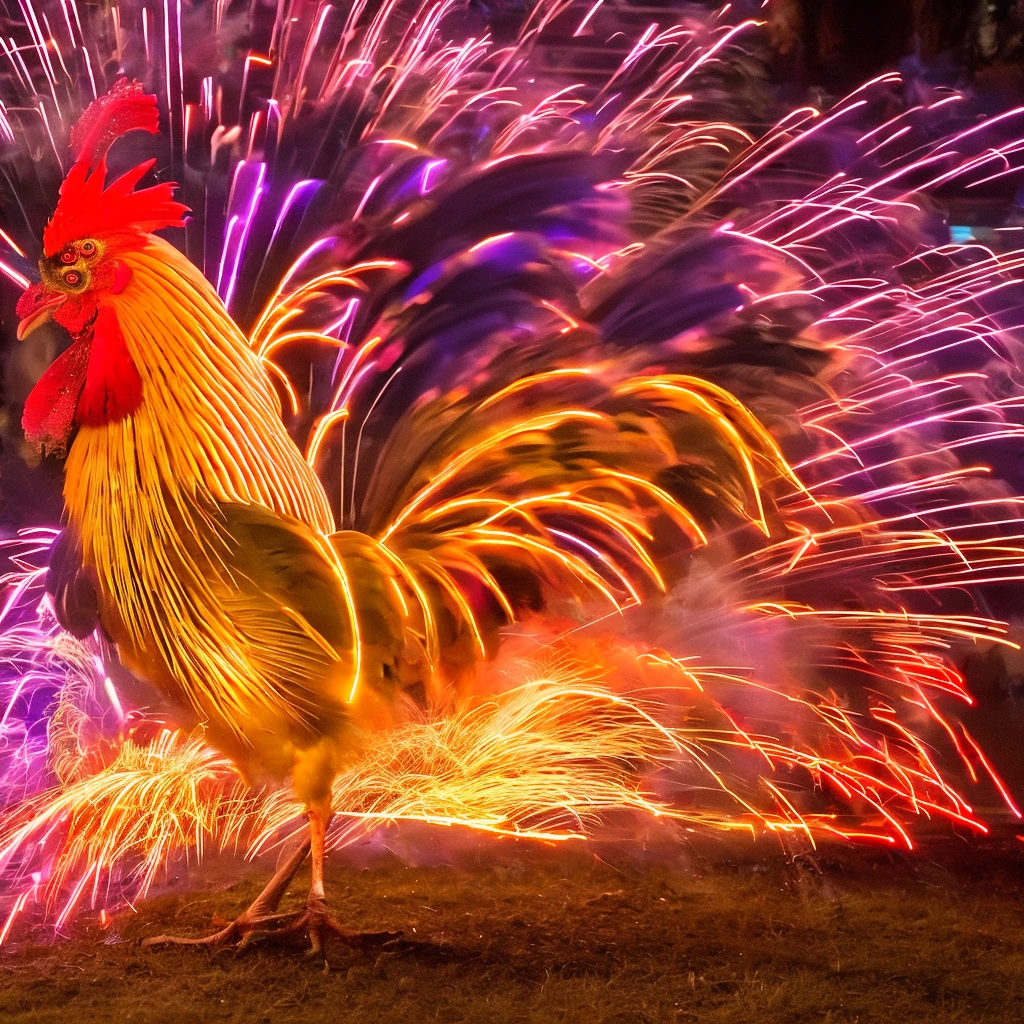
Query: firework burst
x: 708, y: 408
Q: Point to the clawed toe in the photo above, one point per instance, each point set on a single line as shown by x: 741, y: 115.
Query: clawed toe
x: 315, y: 922
x: 238, y: 933
x: 319, y: 925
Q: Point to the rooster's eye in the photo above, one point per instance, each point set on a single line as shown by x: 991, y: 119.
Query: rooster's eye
x: 72, y: 277
x: 87, y: 249
x: 68, y: 256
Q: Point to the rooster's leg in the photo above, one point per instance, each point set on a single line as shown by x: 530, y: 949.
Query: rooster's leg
x: 317, y: 922
x: 260, y: 918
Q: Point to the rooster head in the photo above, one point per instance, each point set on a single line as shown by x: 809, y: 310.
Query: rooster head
x: 94, y: 381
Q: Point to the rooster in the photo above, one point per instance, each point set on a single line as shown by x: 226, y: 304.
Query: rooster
x: 205, y: 547
x: 191, y: 514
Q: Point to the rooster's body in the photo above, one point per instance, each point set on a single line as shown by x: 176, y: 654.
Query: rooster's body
x: 208, y: 535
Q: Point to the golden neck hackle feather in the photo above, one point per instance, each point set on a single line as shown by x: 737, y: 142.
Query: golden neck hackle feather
x: 139, y: 491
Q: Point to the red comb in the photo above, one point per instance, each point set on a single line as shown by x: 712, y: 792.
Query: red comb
x: 124, y: 109
x: 85, y: 207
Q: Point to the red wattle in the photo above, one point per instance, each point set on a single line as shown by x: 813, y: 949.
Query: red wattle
x: 113, y: 387
x: 49, y: 415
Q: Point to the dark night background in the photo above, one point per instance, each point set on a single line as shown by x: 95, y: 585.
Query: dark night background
x: 839, y: 43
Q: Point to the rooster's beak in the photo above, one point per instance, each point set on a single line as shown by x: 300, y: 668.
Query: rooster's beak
x: 36, y: 305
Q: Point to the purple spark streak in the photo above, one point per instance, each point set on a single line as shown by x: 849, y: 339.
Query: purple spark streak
x: 246, y: 192
x: 292, y: 196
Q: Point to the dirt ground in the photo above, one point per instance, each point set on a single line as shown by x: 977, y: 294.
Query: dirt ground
x: 519, y: 933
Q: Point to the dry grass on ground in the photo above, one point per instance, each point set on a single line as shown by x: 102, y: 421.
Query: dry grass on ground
x: 528, y: 935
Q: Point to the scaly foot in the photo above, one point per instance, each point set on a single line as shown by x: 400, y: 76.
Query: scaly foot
x: 319, y: 924
x: 316, y: 922
x: 261, y: 917
x: 239, y: 933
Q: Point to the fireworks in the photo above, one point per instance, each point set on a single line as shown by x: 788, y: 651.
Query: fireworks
x: 501, y: 308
